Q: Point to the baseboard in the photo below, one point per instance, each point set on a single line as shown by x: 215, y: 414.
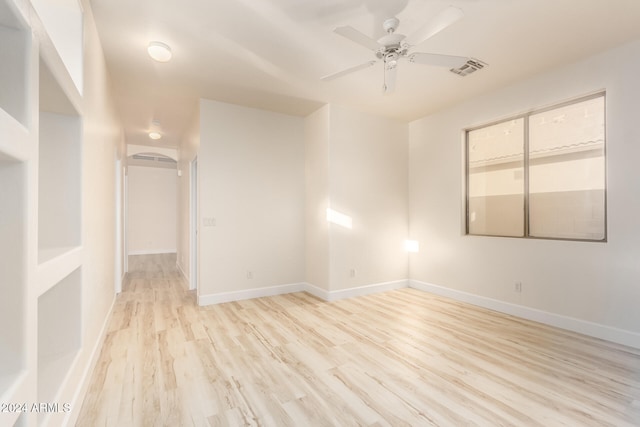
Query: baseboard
x: 301, y: 287
x: 357, y: 291
x: 81, y: 391
x: 596, y: 330
x: 316, y: 291
x: 270, y: 291
x: 153, y: 252
x: 181, y: 270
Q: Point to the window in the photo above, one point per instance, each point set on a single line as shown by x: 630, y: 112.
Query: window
x: 540, y: 175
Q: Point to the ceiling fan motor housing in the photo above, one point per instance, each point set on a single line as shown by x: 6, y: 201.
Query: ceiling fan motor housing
x: 392, y: 43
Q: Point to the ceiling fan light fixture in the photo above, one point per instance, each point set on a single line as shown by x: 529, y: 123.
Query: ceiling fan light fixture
x: 159, y: 51
x: 391, y: 60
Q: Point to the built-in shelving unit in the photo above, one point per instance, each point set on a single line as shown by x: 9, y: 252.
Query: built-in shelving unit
x: 15, y: 47
x: 58, y: 277
x: 41, y: 258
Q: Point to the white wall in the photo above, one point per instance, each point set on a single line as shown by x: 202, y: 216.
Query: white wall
x: 368, y: 181
x: 591, y: 282
x: 356, y: 164
x: 316, y: 136
x: 103, y: 142
x: 152, y: 194
x: 251, y: 182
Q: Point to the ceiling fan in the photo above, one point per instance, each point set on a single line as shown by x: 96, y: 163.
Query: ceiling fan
x: 394, y: 47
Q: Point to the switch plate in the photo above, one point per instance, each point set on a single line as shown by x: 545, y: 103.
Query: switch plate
x: 209, y: 222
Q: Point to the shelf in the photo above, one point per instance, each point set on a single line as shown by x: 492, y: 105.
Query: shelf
x: 57, y: 263
x: 59, y: 177
x: 62, y: 22
x: 53, y: 254
x: 15, y: 48
x: 16, y: 390
x: 53, y: 96
x: 12, y: 387
x: 14, y: 139
x: 59, y: 334
x: 13, y: 272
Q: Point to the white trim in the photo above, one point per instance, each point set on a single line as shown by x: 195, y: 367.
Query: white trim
x: 83, y: 384
x: 360, y: 291
x: 125, y: 220
x: 596, y: 330
x: 301, y: 287
x: 181, y: 270
x: 118, y: 237
x: 153, y: 252
x: 249, y: 294
x: 316, y: 291
x: 142, y: 149
x: 194, y: 224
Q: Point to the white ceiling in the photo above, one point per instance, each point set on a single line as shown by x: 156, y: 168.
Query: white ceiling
x: 271, y: 54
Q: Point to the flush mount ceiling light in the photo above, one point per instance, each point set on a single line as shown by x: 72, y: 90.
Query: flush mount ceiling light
x: 159, y: 51
x: 155, y: 135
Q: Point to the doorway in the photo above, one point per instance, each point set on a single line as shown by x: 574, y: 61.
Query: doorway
x: 120, y: 268
x: 193, y: 226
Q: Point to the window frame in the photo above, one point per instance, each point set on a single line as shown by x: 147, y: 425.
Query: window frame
x: 526, y: 207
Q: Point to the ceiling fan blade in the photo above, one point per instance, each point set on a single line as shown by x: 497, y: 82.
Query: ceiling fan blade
x: 347, y: 71
x: 390, y: 74
x: 438, y: 60
x: 357, y: 37
x: 437, y: 24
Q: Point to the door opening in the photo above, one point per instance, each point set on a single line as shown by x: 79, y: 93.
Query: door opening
x: 193, y: 226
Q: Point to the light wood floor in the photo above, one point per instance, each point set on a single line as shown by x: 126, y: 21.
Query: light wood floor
x: 392, y: 359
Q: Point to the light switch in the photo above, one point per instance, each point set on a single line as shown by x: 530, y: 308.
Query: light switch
x: 209, y: 222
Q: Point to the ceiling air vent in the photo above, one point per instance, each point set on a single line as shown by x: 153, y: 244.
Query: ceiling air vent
x: 152, y: 160
x: 143, y: 157
x: 471, y: 66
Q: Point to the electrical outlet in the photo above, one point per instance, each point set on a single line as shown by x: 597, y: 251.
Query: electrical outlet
x: 352, y: 272
x: 517, y: 287
x: 249, y: 274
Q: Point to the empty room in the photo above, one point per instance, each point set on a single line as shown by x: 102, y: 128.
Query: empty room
x: 319, y: 213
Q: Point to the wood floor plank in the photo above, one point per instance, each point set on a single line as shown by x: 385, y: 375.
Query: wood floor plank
x: 402, y: 357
